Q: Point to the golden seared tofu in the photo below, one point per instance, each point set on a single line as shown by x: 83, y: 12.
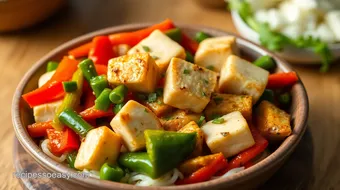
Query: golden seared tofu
x: 161, y: 48
x: 138, y: 72
x: 158, y: 106
x: 241, y: 77
x: 213, y: 52
x: 188, y: 86
x: 272, y: 122
x: 101, y: 145
x: 222, y: 104
x: 228, y: 134
x: 178, y: 119
x: 193, y: 127
x: 130, y: 123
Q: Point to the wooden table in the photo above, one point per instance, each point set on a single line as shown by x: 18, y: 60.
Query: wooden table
x: 19, y: 50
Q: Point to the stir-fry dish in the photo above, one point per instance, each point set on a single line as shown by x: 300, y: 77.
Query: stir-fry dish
x: 154, y: 107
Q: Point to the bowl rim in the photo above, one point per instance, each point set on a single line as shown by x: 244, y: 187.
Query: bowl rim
x: 274, y: 158
x: 237, y: 18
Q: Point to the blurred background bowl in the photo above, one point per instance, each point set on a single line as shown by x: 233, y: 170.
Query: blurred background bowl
x: 291, y: 54
x: 19, y: 14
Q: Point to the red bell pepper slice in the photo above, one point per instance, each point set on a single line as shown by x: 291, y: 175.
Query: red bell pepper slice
x: 130, y: 38
x: 39, y: 129
x: 281, y: 80
x: 53, y: 89
x: 102, y: 51
x: 247, y: 155
x: 62, y: 141
x: 93, y: 113
x: 205, y: 173
x: 101, y: 69
x: 189, y: 44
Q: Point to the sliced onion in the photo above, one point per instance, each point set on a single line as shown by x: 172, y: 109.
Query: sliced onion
x: 46, y: 150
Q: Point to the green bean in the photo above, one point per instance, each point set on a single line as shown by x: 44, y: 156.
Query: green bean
x: 265, y: 62
x: 118, y: 107
x: 75, y: 122
x: 285, y: 99
x: 89, y: 71
x: 200, y: 36
x: 117, y: 95
x: 70, y: 86
x: 71, y: 158
x: 189, y: 57
x: 103, y: 101
x: 98, y: 84
x: 51, y: 66
x: 175, y: 34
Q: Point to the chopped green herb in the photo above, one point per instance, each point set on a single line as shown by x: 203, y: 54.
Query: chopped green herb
x: 155, y: 57
x: 117, y: 108
x: 219, y: 120
x: 204, y: 94
x: 159, y: 92
x: 210, y: 67
x: 146, y: 48
x: 200, y: 121
x: 186, y: 71
x: 152, y: 97
x: 159, y: 102
x: 145, y: 110
x: 225, y: 134
x: 218, y: 100
x: 205, y: 81
x: 214, y: 116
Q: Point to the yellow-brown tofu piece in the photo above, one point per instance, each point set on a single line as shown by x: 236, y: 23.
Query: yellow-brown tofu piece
x: 178, y: 119
x: 188, y: 86
x: 222, y: 104
x: 272, y: 122
x: 193, y: 127
x: 158, y: 106
x: 101, y: 145
x: 131, y: 122
x: 138, y: 72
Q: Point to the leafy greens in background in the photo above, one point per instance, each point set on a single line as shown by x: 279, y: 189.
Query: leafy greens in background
x: 276, y: 41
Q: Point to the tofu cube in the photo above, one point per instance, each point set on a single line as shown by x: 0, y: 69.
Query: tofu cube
x: 46, y: 112
x: 241, y: 77
x: 158, y: 106
x: 130, y: 123
x: 272, y: 122
x: 138, y: 72
x: 188, y: 86
x: 178, y: 119
x: 222, y: 104
x: 161, y: 48
x: 213, y: 52
x: 101, y: 145
x: 230, y: 137
x: 193, y: 127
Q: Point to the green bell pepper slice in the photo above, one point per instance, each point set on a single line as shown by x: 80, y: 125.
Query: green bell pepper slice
x: 138, y: 162
x: 114, y: 173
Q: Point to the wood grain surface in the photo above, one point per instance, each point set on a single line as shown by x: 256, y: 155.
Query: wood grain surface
x: 19, y: 50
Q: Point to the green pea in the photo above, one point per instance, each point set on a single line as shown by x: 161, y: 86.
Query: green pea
x: 200, y: 36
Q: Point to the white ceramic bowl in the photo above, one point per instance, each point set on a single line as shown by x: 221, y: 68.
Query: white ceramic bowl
x: 289, y: 53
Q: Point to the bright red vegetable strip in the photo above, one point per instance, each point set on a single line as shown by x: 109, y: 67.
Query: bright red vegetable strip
x: 189, y: 44
x: 248, y: 154
x: 53, y: 89
x: 102, y: 50
x: 206, y: 172
x: 62, y: 141
x: 281, y: 80
x: 39, y: 129
x: 130, y: 38
x: 101, y: 69
x: 92, y: 113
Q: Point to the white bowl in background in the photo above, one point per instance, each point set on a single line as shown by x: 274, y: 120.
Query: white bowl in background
x: 289, y: 53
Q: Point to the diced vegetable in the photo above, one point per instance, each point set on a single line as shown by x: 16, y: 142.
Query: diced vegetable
x: 114, y: 173
x: 162, y: 145
x: 92, y: 113
x: 98, y: 84
x: 190, y: 128
x: 200, y: 36
x: 281, y: 80
x: 267, y: 95
x: 138, y: 162
x: 39, y: 129
x: 103, y: 101
x: 190, y: 166
x: 206, y: 172
x: 101, y: 69
x: 51, y: 66
x: 62, y: 141
x: 81, y: 51
x: 88, y: 69
x: 175, y: 34
x: 101, y: 51
x: 265, y: 62
x: 71, y: 158
x: 71, y: 100
x: 189, y: 44
x: 70, y: 86
x: 75, y: 122
x: 53, y: 89
x: 118, y: 94
x: 189, y: 57
x: 117, y: 108
x: 100, y: 146
x: 272, y: 122
x: 285, y: 99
